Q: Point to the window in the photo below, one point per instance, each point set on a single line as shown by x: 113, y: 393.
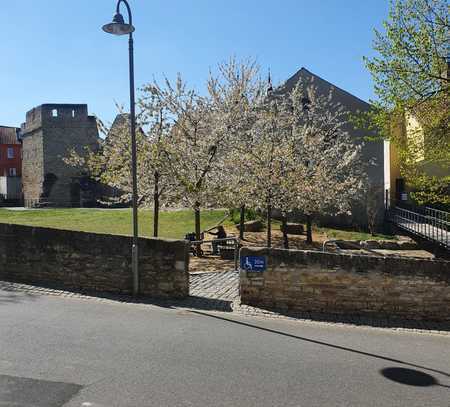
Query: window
x: 12, y: 172
x: 306, y: 103
x: 73, y: 113
x: 10, y: 152
x: 55, y: 112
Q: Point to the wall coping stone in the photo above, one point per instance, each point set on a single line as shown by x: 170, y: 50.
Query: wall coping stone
x: 46, y: 236
x: 431, y: 268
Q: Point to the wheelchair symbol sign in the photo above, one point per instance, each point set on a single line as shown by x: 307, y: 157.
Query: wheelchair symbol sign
x: 255, y: 264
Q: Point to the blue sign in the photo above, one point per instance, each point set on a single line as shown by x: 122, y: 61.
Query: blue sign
x: 256, y: 264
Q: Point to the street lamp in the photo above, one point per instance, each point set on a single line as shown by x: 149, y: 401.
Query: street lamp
x: 119, y: 27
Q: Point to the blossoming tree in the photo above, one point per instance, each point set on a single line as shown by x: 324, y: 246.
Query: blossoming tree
x: 328, y: 174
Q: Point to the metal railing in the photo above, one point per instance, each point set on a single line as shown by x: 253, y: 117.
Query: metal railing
x: 10, y: 201
x: 428, y: 223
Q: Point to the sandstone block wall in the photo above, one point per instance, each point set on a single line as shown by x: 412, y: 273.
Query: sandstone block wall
x: 92, y: 262
x: 309, y: 281
x: 32, y: 168
x: 50, y: 133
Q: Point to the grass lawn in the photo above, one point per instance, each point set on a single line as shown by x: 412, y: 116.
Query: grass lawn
x: 173, y: 224
x: 350, y: 235
x: 324, y: 233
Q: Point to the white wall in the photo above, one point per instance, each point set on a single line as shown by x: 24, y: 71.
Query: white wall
x: 11, y: 187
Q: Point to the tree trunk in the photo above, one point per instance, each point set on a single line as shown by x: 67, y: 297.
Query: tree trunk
x: 197, y: 221
x: 269, y: 226
x: 241, y: 223
x: 284, y: 230
x: 309, y: 238
x: 197, y: 228
x: 156, y: 205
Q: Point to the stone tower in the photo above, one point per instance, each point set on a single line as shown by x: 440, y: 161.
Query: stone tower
x: 50, y: 132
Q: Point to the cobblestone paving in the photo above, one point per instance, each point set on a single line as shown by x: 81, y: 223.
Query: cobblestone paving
x: 219, y: 291
x: 221, y: 285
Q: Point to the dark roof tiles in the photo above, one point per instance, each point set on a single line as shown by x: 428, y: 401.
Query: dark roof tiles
x: 8, y: 135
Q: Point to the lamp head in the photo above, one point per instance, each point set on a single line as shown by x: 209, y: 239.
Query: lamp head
x: 118, y: 26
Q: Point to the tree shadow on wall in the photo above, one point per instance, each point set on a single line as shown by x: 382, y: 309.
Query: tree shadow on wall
x: 49, y: 181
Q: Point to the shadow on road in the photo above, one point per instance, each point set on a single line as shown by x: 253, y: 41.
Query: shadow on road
x: 410, y: 377
x: 330, y: 345
x: 23, y: 391
x: 191, y: 302
x: 11, y: 295
x: 17, y: 292
x: 361, y: 320
x: 21, y: 292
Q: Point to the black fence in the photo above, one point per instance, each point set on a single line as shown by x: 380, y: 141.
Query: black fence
x: 5, y: 201
x: 428, y: 223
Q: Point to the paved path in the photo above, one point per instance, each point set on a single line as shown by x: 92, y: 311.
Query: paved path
x: 224, y: 286
x: 74, y: 351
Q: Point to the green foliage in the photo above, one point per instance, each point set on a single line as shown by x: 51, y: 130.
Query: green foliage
x: 431, y: 191
x: 410, y: 65
x: 411, y: 76
x: 374, y: 122
x: 250, y: 214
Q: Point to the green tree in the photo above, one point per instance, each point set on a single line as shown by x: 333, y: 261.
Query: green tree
x: 110, y: 164
x: 410, y: 72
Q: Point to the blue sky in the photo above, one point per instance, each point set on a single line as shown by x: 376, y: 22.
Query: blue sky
x: 53, y: 51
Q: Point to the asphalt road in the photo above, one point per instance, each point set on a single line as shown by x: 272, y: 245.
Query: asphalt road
x: 70, y: 352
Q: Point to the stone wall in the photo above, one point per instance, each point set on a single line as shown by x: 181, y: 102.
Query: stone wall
x: 312, y: 281
x: 50, y: 133
x: 92, y: 262
x: 32, y: 167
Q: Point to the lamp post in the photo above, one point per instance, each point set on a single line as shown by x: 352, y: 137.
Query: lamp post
x: 119, y: 27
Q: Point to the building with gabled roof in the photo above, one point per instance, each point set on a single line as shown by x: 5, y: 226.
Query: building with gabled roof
x: 10, y: 152
x: 372, y: 151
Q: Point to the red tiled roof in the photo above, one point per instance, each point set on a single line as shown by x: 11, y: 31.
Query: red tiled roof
x: 8, y: 135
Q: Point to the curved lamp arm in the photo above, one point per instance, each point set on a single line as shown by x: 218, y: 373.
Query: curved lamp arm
x: 127, y: 5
